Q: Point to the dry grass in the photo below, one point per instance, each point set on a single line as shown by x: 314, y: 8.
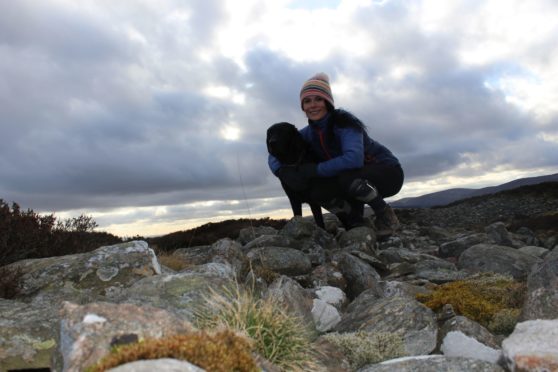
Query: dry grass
x: 281, y: 338
x: 220, y: 352
x: 173, y: 262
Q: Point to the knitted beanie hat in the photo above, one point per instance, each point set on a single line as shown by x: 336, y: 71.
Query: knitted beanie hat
x: 317, y: 85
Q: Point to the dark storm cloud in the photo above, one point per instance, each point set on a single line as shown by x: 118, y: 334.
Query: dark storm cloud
x: 106, y: 105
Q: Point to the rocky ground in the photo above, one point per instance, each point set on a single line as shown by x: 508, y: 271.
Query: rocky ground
x: 470, y: 287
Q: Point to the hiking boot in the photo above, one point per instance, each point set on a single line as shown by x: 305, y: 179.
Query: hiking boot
x: 362, y: 191
x: 386, y: 222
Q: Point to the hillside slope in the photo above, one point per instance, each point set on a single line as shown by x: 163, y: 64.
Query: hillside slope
x: 445, y: 197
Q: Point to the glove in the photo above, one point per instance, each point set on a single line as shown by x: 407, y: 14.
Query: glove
x: 308, y: 170
x: 293, y: 178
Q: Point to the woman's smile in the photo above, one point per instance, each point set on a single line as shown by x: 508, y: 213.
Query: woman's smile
x: 314, y: 107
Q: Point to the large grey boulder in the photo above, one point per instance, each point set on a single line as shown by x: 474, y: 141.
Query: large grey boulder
x: 86, y: 277
x: 498, y: 259
x: 182, y: 293
x: 414, y: 321
x: 542, y: 289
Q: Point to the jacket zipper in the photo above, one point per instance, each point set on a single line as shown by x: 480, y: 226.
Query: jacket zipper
x: 322, y: 143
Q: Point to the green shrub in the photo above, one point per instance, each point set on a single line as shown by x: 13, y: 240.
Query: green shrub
x: 362, y: 348
x: 281, y: 338
x: 209, y: 233
x: 26, y: 234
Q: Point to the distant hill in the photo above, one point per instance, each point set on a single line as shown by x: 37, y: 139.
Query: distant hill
x: 445, y: 197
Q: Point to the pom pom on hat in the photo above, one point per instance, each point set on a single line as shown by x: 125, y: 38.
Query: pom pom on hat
x: 317, y: 85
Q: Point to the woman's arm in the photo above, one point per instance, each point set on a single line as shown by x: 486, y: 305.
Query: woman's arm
x: 352, y: 153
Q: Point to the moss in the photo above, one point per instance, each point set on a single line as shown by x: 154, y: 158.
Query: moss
x: 222, y: 351
x: 362, y: 348
x: 504, y: 321
x: 480, y: 297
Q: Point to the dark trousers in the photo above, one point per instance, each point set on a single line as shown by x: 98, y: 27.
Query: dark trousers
x: 388, y: 180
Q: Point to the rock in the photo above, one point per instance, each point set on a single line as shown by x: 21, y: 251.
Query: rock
x: 287, y: 261
x: 332, y: 295
x: 360, y: 238
x: 533, y: 346
x: 438, y: 271
x: 359, y: 275
x: 433, y: 363
x: 542, y: 289
x: 330, y: 357
x: 292, y: 297
x: 455, y: 247
x: 457, y: 344
x: 305, y: 235
x: 328, y: 274
x: 86, y: 332
x: 498, y: 259
x: 28, y: 335
x: 416, y: 322
x: 325, y: 316
x: 229, y: 252
x: 195, y: 255
x: 221, y: 270
x: 499, y: 234
x: 402, y: 289
x: 469, y: 328
x: 161, y: 365
x: 395, y: 255
x: 86, y: 277
x: 180, y: 293
x: 268, y: 240
x: 534, y: 251
x: 248, y: 234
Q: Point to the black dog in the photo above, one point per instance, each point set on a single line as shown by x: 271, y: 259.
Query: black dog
x: 287, y: 145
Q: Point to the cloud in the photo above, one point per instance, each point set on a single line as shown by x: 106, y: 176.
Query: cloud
x: 127, y: 109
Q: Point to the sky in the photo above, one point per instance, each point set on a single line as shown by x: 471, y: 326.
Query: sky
x: 150, y: 116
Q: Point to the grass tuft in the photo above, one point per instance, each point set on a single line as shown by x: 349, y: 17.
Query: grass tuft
x: 281, y: 338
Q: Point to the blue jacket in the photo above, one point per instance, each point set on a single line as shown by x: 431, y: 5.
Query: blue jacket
x: 341, y: 142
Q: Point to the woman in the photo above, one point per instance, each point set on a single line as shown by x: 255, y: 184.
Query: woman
x: 365, y: 169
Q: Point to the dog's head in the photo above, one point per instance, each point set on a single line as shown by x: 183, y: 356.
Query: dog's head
x: 285, y: 143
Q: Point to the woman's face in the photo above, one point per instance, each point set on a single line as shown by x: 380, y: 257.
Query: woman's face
x: 314, y: 107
